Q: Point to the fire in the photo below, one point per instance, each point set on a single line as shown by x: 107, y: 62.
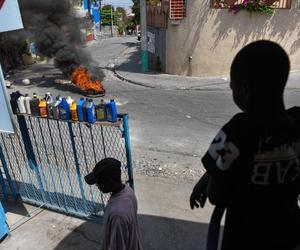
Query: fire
x: 82, y: 79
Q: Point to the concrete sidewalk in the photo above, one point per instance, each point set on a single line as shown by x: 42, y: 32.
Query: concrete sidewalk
x: 127, y: 67
x: 165, y: 218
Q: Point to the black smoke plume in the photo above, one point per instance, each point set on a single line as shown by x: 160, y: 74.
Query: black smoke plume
x: 54, y: 27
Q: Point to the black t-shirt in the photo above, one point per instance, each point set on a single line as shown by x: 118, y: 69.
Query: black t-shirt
x: 259, y: 161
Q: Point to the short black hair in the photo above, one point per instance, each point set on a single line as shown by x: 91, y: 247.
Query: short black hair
x: 263, y: 64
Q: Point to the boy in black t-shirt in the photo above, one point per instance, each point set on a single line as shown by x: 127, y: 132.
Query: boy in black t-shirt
x: 253, y: 164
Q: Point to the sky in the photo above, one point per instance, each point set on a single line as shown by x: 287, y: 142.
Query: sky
x: 118, y: 3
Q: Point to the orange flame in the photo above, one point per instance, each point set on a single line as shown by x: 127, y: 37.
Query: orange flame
x: 82, y: 79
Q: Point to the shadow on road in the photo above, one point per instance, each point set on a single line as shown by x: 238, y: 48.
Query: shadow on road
x: 158, y: 233
x: 131, y: 64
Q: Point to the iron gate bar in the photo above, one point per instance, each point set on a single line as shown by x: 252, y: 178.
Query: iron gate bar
x: 128, y: 150
x: 26, y: 165
x: 77, y: 165
x: 9, y: 160
x: 56, y: 165
x: 66, y: 166
x: 95, y: 158
x: 7, y: 175
x: 103, y: 142
x: 29, y: 152
x: 39, y: 166
x: 3, y: 187
x: 87, y: 170
x: 49, y: 165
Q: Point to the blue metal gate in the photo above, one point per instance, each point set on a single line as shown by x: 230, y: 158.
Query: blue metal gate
x: 4, y: 230
x: 45, y: 161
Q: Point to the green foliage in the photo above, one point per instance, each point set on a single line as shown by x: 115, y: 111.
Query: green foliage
x: 107, y: 14
x: 108, y: 7
x: 120, y: 27
x: 121, y: 11
x: 249, y: 5
x: 136, y: 11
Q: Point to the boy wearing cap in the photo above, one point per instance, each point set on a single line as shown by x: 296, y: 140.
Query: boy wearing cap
x: 253, y: 164
x: 120, y: 222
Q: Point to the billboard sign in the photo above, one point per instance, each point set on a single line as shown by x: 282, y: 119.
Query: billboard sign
x: 10, y: 19
x: 10, y: 16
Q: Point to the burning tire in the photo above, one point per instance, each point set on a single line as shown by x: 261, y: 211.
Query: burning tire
x: 82, y: 79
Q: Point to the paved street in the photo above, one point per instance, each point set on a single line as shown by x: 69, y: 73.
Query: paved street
x: 170, y: 130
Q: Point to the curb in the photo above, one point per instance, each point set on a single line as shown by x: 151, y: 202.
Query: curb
x: 114, y: 70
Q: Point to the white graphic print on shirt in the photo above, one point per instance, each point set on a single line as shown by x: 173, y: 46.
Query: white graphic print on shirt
x: 277, y: 166
x: 222, y: 151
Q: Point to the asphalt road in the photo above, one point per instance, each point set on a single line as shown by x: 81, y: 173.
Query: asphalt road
x: 170, y: 129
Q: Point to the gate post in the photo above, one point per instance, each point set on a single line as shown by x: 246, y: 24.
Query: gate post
x: 4, y: 229
x: 29, y: 152
x: 128, y: 150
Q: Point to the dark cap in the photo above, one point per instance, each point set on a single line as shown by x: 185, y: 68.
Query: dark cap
x: 106, y: 168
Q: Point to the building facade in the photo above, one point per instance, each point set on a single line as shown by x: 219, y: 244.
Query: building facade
x: 205, y: 41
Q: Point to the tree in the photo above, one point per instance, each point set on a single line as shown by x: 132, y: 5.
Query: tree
x: 121, y: 11
x: 108, y: 7
x: 136, y: 11
x: 108, y: 12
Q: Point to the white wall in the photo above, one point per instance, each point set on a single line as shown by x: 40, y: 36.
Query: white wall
x: 213, y: 37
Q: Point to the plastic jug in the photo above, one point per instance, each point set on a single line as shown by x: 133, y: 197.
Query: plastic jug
x: 69, y: 100
x: 64, y: 110
x: 80, y: 106
x: 34, y: 105
x: 100, y: 111
x: 43, y: 108
x: 55, y: 109
x: 21, y: 105
x: 111, y: 111
x: 73, y: 109
x: 14, y: 102
x: 50, y: 104
x: 86, y: 104
x: 90, y: 111
x: 27, y: 104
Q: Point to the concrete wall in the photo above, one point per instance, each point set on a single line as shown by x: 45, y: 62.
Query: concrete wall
x: 213, y: 37
x: 160, y: 50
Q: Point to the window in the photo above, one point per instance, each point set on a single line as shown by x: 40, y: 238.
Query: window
x: 177, y: 9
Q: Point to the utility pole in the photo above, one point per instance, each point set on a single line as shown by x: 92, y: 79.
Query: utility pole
x: 144, y: 56
x: 100, y: 9
x: 111, y: 20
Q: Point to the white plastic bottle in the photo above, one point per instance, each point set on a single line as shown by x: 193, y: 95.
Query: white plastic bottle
x: 21, y: 105
x: 27, y: 104
x: 69, y: 100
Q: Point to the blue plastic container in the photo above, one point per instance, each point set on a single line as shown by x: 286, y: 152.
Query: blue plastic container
x: 80, y: 105
x: 64, y: 110
x: 90, y: 111
x: 111, y: 111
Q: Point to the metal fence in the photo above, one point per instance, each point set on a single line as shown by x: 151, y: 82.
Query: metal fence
x: 45, y: 162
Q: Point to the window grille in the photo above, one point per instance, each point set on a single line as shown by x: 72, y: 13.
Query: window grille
x: 177, y: 9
